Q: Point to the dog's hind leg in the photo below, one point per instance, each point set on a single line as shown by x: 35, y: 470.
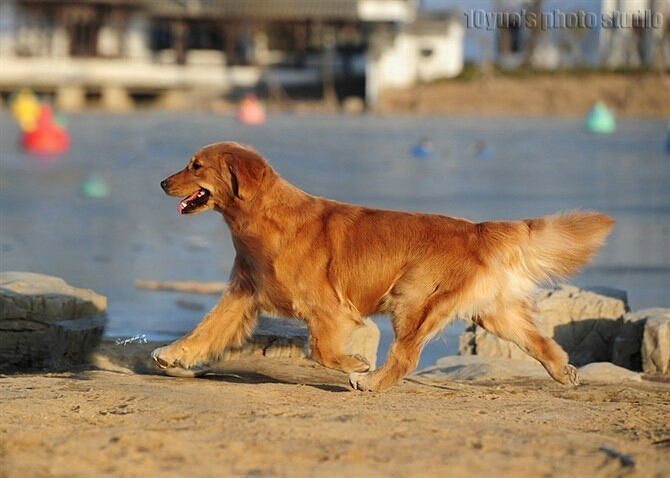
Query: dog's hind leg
x: 412, y: 331
x: 230, y: 322
x: 329, y: 335
x: 514, y: 322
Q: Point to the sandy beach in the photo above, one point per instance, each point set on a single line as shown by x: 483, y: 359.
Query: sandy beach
x: 262, y: 416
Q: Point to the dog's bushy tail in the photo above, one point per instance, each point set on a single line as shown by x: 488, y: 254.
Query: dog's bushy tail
x: 561, y: 244
x: 549, y: 248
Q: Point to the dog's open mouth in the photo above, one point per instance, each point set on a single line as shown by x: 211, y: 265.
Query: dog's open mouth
x: 194, y: 201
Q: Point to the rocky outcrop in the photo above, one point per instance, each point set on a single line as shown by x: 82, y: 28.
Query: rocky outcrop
x: 46, y: 323
x: 656, y: 343
x: 592, y: 326
x: 583, y: 321
x: 628, y: 346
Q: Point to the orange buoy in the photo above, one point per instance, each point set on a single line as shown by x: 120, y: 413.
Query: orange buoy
x: 251, y: 111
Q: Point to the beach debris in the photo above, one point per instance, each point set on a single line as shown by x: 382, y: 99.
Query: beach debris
x: 251, y: 111
x: 46, y: 323
x: 190, y: 305
x: 481, y: 150
x: 94, y: 186
x: 183, y: 286
x: 198, y: 243
x: 47, y: 137
x: 600, y: 119
x: 625, y: 460
x: 423, y: 149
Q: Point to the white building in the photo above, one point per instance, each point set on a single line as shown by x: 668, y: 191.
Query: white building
x: 115, y: 50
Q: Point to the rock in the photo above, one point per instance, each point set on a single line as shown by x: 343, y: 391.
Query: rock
x: 273, y: 337
x: 46, y: 323
x: 626, y: 351
x: 607, y: 372
x: 656, y: 343
x: 583, y: 321
x: 474, y: 367
x: 477, y: 367
x: 289, y: 338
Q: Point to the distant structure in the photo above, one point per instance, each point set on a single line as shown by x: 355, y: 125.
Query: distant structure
x: 577, y: 33
x: 114, y: 53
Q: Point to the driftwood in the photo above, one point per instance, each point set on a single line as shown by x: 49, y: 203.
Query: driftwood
x: 194, y: 287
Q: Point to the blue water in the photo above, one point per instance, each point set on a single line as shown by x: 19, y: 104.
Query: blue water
x: 532, y: 167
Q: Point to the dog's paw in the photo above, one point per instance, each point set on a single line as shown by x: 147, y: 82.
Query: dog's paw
x: 171, y: 362
x: 172, y: 356
x: 361, y: 381
x: 572, y: 376
x: 157, y: 356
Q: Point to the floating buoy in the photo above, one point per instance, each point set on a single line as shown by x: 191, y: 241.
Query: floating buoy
x: 600, y: 119
x: 94, y: 187
x: 251, y: 111
x: 26, y: 109
x: 481, y: 150
x: 423, y: 149
x: 47, y: 137
x: 667, y: 141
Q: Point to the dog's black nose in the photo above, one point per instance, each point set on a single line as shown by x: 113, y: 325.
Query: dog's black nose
x: 164, y: 184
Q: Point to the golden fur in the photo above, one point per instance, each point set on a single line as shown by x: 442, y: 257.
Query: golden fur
x: 332, y: 264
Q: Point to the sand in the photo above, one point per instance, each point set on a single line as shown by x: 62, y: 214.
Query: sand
x: 550, y: 94
x: 261, y: 416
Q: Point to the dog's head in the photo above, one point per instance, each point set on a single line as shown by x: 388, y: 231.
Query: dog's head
x: 218, y: 177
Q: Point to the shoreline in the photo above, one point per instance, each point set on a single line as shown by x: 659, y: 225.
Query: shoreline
x: 563, y: 95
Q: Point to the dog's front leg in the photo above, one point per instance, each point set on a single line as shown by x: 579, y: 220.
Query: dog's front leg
x: 230, y: 322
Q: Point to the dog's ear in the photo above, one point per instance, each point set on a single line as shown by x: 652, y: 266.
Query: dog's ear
x: 246, y: 173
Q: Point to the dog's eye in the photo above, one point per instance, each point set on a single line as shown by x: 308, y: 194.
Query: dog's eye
x: 196, y: 165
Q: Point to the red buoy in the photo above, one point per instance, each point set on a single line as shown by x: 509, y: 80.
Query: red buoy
x: 48, y: 137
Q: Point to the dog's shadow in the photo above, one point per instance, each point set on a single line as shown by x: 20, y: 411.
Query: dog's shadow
x: 257, y: 378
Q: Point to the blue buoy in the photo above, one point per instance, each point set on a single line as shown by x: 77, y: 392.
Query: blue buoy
x: 481, y: 150
x: 600, y: 119
x: 423, y: 149
x: 667, y: 141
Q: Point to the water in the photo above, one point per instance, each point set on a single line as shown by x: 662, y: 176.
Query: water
x: 532, y: 167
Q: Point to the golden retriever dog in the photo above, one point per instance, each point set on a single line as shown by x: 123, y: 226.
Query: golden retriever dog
x: 331, y: 264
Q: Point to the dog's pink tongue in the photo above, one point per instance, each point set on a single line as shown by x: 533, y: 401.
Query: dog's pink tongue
x: 184, y: 204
